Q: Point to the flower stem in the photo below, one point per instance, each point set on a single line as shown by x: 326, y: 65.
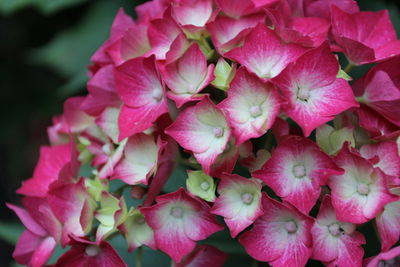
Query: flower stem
x: 348, y: 68
x: 138, y: 261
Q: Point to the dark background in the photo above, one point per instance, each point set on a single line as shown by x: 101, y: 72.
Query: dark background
x: 45, y: 47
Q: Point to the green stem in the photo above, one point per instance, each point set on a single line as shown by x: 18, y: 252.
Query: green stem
x: 360, y: 99
x: 187, y: 163
x: 348, y: 68
x: 138, y: 261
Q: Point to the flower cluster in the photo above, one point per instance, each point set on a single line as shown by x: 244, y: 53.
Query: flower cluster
x: 249, y: 96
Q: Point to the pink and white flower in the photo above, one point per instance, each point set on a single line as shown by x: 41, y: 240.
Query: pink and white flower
x: 188, y: 75
x: 192, y: 14
x: 239, y: 202
x: 228, y: 33
x: 379, y: 89
x: 264, y: 54
x: 43, y: 232
x: 361, y: 192
x: 140, y: 160
x: 296, y: 171
x: 251, y: 106
x: 178, y: 221
x: 142, y: 91
x: 336, y: 243
x: 137, y: 232
x: 87, y: 253
x: 202, y: 129
x: 313, y: 92
x: 280, y: 237
x: 384, y: 155
x: 389, y: 258
x: 388, y: 224
x: 73, y: 206
x: 162, y: 32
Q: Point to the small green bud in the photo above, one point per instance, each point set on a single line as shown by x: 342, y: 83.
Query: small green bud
x: 201, y: 185
x: 224, y: 74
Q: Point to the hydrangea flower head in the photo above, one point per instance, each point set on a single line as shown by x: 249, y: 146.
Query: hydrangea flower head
x: 224, y: 96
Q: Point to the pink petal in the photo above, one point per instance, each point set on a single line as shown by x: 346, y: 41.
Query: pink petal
x: 264, y: 54
x: 188, y: 75
x: 231, y: 204
x: 251, y: 106
x: 203, y: 130
x: 269, y: 239
x: 388, y: 223
x: 140, y: 160
x: 296, y: 171
x: 51, y: 161
x: 178, y: 220
x: 313, y: 92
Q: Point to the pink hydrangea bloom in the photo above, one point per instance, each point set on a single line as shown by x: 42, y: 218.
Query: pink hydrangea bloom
x: 388, y: 223
x: 216, y: 89
x: 239, y: 202
x: 202, y: 129
x: 379, y: 89
x: 142, y: 91
x: 361, y: 192
x: 365, y: 36
x: 296, y: 171
x: 87, y: 253
x: 264, y: 54
x: 281, y: 236
x: 384, y: 155
x: 389, y: 258
x: 42, y: 234
x: 139, y: 161
x: 251, y: 106
x: 335, y: 242
x: 188, y: 75
x: 178, y: 221
x: 313, y: 92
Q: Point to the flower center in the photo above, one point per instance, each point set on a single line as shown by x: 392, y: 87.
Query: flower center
x: 334, y: 229
x: 363, y: 189
x: 247, y: 198
x: 177, y: 212
x: 255, y: 111
x: 303, y: 94
x: 218, y: 131
x: 291, y: 227
x: 92, y: 250
x: 139, y: 220
x: 157, y: 95
x: 205, y: 185
x: 299, y: 171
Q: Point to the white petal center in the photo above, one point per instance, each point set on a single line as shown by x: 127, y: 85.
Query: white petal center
x: 291, y: 227
x: 247, y: 198
x: 255, y: 111
x: 363, y: 189
x: 92, y: 250
x: 205, y: 185
x: 177, y: 212
x: 218, y: 131
x: 299, y: 171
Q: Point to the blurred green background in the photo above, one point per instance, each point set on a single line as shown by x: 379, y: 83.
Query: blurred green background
x: 44, y: 51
